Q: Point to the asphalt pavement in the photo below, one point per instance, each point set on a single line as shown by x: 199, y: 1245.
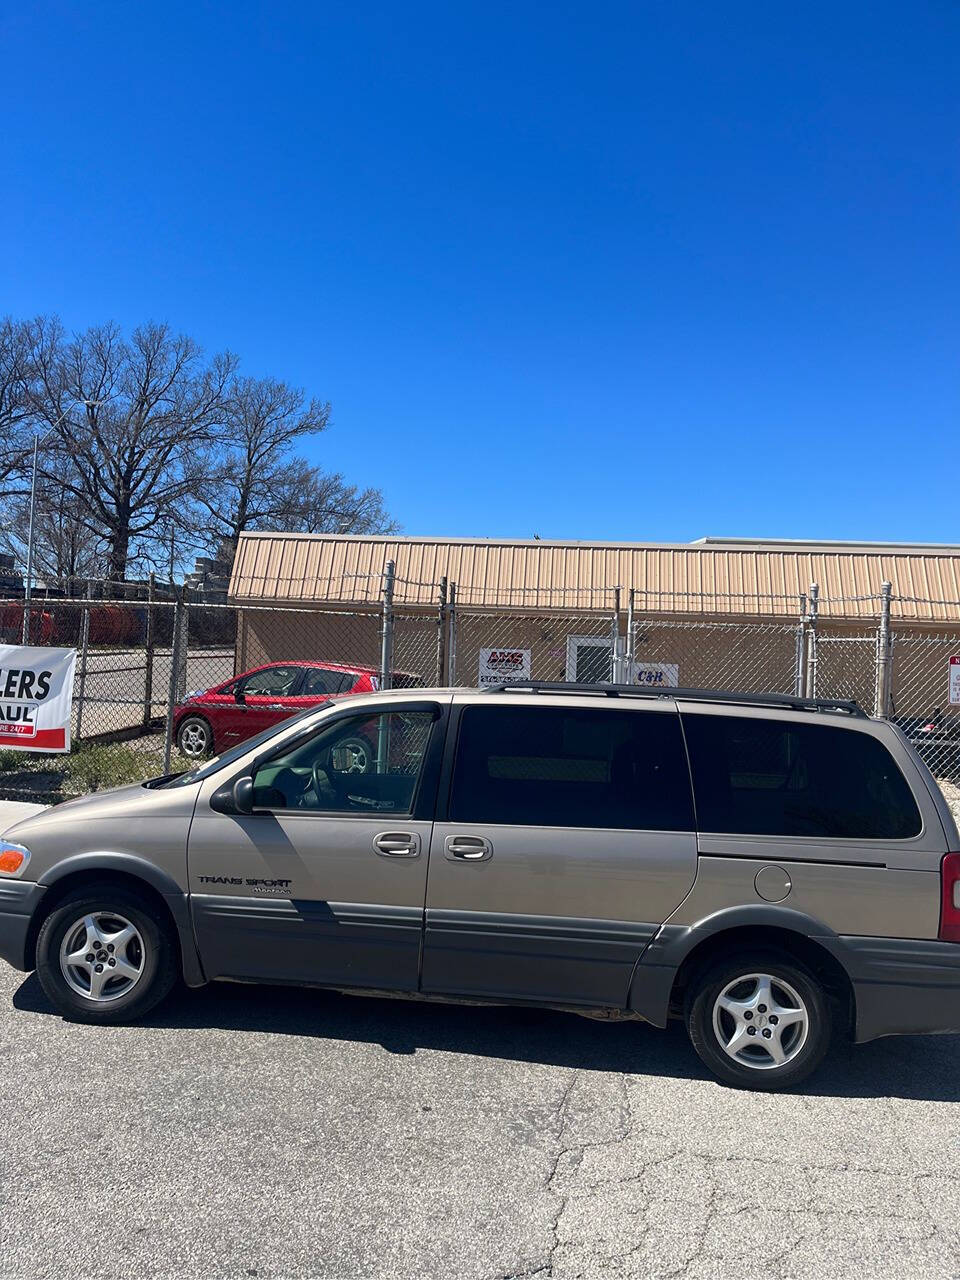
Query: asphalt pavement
x: 271, y: 1132
x: 115, y: 685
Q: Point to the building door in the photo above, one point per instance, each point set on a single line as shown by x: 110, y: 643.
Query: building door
x: 589, y: 659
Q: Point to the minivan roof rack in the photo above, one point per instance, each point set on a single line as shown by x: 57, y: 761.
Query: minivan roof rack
x: 786, y: 700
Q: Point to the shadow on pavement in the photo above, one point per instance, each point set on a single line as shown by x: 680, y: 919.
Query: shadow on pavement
x: 924, y: 1068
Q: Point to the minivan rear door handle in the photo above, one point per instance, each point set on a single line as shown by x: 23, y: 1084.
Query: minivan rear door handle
x: 467, y: 849
x: 397, y: 844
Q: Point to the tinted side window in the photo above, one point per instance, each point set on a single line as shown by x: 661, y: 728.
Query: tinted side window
x: 773, y: 777
x: 550, y: 766
x: 319, y: 681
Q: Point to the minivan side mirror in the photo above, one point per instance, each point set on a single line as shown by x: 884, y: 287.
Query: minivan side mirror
x: 234, y: 799
x: 243, y: 794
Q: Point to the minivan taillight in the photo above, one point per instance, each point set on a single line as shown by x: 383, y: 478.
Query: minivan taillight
x: 950, y: 898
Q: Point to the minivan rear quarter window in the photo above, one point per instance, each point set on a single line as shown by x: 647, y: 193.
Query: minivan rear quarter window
x: 778, y: 777
x: 560, y: 767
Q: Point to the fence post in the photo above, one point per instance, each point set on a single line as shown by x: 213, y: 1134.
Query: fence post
x: 184, y: 652
x: 386, y: 645
x: 800, y: 679
x: 386, y: 664
x: 884, y: 654
x: 148, y: 656
x: 175, y: 649
x: 631, y: 638
x: 452, y: 635
x: 84, y: 647
x: 811, y: 672
x: 441, y: 629
x: 616, y: 652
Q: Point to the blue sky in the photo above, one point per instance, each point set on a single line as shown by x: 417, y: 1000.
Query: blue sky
x: 617, y: 271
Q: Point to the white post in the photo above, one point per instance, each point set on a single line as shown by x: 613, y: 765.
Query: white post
x: 28, y: 591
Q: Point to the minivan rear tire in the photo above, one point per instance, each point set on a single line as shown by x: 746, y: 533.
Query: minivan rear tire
x: 738, y: 1032
x: 150, y: 951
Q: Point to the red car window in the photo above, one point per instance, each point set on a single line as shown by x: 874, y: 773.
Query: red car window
x: 319, y: 682
x: 276, y: 682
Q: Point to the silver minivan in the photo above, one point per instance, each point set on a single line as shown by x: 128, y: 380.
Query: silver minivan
x: 773, y: 870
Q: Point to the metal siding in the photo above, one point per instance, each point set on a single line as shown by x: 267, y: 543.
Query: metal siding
x: 691, y: 578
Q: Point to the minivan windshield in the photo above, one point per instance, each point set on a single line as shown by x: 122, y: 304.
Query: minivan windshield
x: 228, y: 757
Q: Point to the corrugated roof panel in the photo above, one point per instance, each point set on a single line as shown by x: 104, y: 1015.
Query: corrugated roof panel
x: 688, y: 578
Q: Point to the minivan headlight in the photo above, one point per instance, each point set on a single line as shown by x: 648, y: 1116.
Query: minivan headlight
x: 13, y: 858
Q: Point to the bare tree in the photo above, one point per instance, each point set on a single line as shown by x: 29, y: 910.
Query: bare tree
x: 149, y: 452
x: 17, y: 376
x: 249, y: 489
x: 136, y: 421
x: 315, y: 501
x: 64, y: 547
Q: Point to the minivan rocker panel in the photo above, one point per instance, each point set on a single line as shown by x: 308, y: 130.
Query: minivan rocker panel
x: 770, y: 870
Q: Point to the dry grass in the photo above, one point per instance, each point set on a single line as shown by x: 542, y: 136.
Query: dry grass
x: 87, y: 767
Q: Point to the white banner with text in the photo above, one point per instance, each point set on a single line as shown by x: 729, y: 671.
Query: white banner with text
x: 36, y: 694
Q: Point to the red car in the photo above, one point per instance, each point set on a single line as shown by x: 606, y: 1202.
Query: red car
x: 210, y: 720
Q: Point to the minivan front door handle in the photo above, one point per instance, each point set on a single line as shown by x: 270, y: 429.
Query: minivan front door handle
x: 397, y: 844
x: 467, y: 849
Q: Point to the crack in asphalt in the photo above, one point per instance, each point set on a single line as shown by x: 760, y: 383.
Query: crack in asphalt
x: 316, y: 1155
x: 637, y: 1243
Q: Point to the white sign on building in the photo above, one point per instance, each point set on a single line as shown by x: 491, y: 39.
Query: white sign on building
x: 500, y: 666
x: 666, y: 674
x: 955, y: 680
x: 36, y: 695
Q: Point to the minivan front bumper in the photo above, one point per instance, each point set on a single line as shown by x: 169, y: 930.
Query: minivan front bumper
x: 18, y: 902
x: 902, y: 986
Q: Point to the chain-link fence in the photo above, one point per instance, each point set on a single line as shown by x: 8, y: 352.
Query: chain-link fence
x: 920, y: 698
x: 743, y: 656
x: 845, y: 667
x: 163, y: 679
x: 492, y: 646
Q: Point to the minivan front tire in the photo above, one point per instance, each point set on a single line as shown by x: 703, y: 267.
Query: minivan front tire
x: 759, y: 1020
x: 106, y: 954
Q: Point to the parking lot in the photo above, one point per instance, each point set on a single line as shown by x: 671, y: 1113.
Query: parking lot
x: 115, y: 685
x: 268, y: 1132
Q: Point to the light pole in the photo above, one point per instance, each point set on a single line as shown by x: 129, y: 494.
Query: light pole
x: 28, y: 589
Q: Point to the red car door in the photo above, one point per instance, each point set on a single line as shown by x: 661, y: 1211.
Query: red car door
x: 267, y: 697
x: 320, y: 683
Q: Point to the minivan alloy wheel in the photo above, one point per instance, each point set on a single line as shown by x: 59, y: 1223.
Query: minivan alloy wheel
x: 102, y: 956
x: 760, y: 1021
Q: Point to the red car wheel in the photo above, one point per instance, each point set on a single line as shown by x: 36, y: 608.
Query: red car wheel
x: 194, y: 737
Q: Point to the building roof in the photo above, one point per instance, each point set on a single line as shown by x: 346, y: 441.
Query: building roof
x: 733, y: 576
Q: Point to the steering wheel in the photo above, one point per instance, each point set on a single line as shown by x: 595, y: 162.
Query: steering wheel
x: 320, y: 782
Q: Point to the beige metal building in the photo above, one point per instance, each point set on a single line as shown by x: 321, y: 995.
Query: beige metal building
x: 718, y: 612
x: 712, y: 576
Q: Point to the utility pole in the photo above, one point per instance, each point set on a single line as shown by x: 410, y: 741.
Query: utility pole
x: 28, y: 587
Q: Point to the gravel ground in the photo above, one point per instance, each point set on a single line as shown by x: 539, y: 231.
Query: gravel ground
x: 951, y: 793
x: 272, y: 1132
